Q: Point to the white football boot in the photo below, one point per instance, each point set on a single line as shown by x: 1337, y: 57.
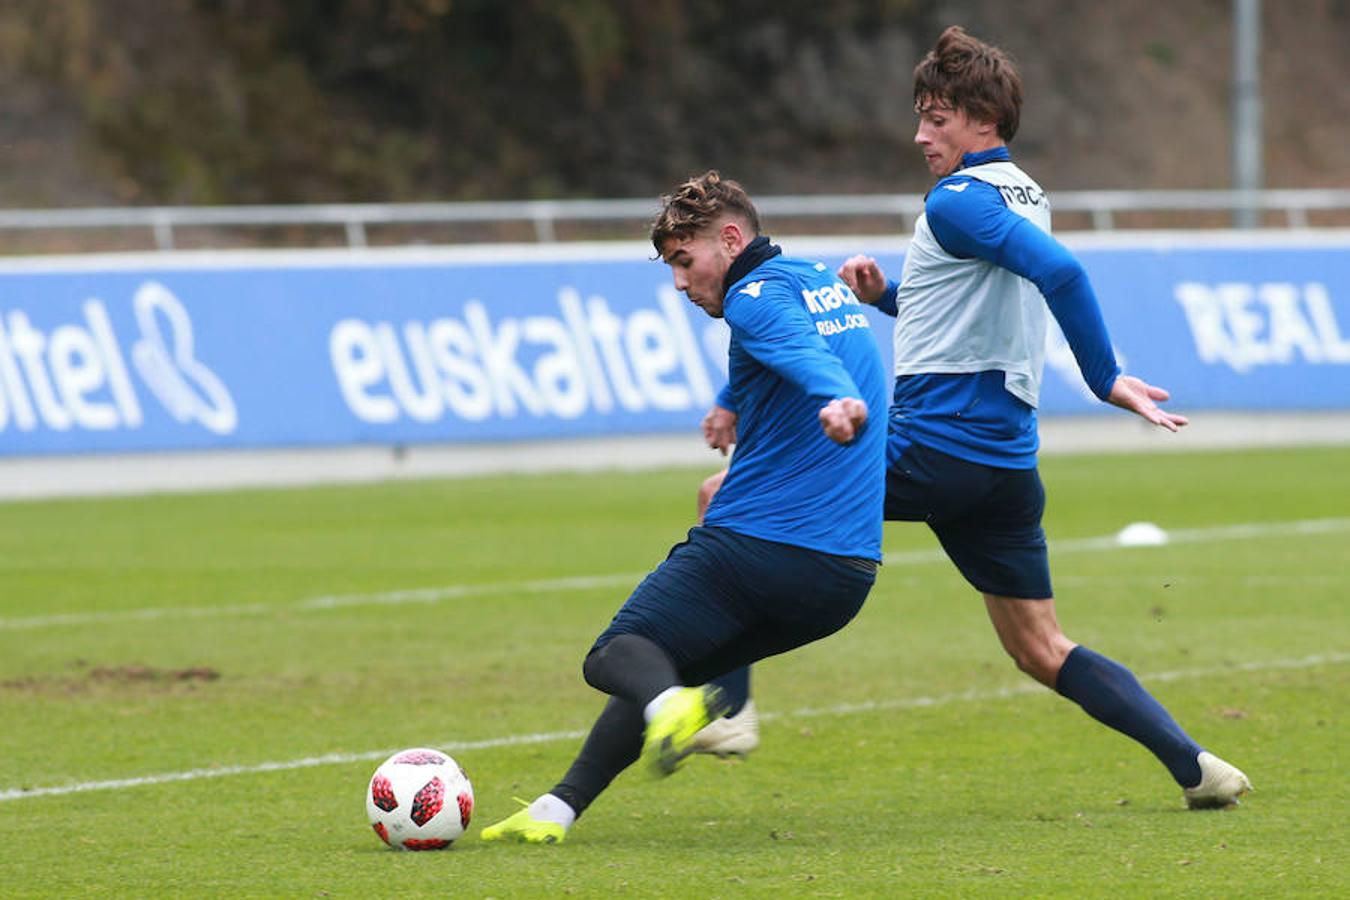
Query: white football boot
x: 730, y: 735
x: 1221, y: 784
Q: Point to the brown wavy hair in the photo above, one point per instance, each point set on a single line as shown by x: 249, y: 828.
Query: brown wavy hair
x: 698, y: 203
x: 972, y: 76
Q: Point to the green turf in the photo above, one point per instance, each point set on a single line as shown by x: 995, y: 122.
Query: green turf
x: 902, y: 757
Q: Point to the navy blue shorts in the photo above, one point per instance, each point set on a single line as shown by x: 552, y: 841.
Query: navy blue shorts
x: 988, y: 519
x: 721, y: 600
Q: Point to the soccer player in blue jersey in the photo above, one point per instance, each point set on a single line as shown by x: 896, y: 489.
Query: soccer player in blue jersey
x: 788, y: 549
x: 970, y: 327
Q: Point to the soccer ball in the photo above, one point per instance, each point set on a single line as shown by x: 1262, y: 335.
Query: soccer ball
x: 419, y: 799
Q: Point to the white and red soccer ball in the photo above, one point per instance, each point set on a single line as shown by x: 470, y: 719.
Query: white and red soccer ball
x: 419, y: 799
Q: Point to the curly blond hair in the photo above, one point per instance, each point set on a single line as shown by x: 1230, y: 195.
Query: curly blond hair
x: 698, y: 203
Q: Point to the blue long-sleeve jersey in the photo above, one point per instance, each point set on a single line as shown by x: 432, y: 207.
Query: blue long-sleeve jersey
x: 969, y: 414
x: 799, y: 340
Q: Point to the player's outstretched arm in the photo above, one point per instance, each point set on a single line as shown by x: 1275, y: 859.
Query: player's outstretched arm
x: 719, y: 428
x: 842, y: 418
x: 1141, y: 398
x: 864, y: 278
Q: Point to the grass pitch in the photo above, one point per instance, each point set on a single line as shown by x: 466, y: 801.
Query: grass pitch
x: 195, y: 689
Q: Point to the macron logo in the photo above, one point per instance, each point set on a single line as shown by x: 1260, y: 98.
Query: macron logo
x: 957, y: 187
x: 753, y: 288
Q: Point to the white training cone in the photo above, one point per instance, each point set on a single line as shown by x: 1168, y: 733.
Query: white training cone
x: 1141, y: 534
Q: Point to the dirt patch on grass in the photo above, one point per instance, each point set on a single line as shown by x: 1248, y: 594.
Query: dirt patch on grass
x: 122, y: 674
x: 89, y: 677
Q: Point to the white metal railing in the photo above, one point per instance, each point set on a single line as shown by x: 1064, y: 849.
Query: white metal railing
x: 1102, y: 207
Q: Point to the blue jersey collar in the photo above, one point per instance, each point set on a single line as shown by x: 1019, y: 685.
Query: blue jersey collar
x: 993, y: 154
x: 755, y: 253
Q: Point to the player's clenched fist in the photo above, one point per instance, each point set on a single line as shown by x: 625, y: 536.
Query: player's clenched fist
x: 842, y: 418
x: 864, y: 277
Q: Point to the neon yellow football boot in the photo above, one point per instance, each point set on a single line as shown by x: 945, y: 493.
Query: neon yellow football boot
x: 524, y: 828
x: 669, y: 737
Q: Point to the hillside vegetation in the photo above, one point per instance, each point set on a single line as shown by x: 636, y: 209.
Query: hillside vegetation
x: 246, y: 101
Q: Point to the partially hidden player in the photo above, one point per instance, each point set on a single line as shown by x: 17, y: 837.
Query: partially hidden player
x: 969, y: 336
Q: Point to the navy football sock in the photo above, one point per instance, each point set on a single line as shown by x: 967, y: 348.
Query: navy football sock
x: 1111, y: 694
x: 735, y: 687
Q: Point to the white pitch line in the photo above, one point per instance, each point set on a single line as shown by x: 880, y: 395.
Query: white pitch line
x: 1177, y: 536
x: 326, y: 602
x: 629, y: 579
x: 843, y: 709
x: 258, y: 768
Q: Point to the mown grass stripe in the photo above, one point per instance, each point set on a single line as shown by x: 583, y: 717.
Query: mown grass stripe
x: 587, y: 582
x: 1020, y: 690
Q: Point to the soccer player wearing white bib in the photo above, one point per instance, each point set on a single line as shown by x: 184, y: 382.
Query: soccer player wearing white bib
x: 969, y: 336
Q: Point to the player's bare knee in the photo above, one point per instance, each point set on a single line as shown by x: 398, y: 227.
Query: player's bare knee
x: 1041, y: 661
x: 1026, y: 664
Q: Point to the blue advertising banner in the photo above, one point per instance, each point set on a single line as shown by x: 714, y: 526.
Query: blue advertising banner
x: 1241, y: 324
x: 184, y: 351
